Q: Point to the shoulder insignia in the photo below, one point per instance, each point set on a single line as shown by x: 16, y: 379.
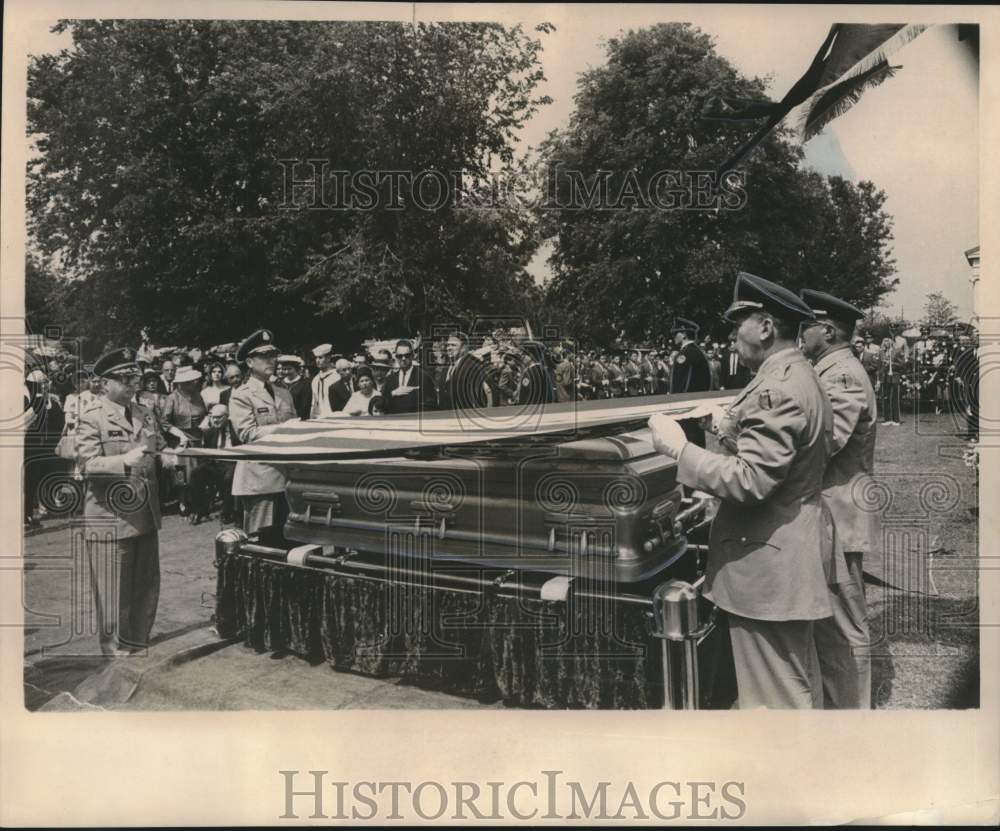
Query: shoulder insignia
x: 681, y: 359
x: 526, y: 381
x: 764, y: 400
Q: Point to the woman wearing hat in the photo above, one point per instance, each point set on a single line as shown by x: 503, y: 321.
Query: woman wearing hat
x: 183, y: 412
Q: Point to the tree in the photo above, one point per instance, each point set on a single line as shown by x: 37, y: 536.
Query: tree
x: 939, y: 311
x: 159, y: 194
x: 636, y: 265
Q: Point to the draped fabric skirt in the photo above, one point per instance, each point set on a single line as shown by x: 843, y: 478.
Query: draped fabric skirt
x: 525, y: 652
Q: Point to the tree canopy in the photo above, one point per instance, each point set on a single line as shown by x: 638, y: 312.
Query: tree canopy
x: 939, y: 311
x: 158, y: 194
x: 631, y: 268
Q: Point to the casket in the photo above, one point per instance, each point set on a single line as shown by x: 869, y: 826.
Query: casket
x: 606, y: 508
x: 559, y: 576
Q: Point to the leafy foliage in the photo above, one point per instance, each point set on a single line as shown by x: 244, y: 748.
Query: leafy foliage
x: 631, y: 270
x: 939, y: 311
x: 157, y: 195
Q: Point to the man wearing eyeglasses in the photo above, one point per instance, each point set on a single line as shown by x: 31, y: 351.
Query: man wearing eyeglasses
x: 116, y: 441
x: 409, y: 389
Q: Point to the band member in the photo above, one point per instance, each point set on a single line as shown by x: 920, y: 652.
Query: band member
x: 772, y: 540
x: 842, y: 640
x: 298, y: 386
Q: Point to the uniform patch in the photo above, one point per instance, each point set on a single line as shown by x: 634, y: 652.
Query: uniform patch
x: 764, y: 400
x: 681, y: 359
x: 525, y: 382
x: 115, y: 434
x: 263, y: 409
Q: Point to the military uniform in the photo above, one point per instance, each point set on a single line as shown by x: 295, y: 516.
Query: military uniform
x: 565, y: 380
x: 842, y: 640
x: 253, y: 407
x: 772, y: 542
x: 121, y: 511
x: 690, y: 373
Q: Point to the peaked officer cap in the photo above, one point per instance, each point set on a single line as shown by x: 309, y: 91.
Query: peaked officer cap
x: 825, y: 305
x: 260, y: 342
x: 116, y: 361
x: 682, y: 324
x: 755, y: 294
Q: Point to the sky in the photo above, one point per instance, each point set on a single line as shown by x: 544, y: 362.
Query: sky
x: 915, y: 136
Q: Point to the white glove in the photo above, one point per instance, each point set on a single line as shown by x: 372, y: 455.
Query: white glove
x: 134, y: 457
x: 668, y: 437
x: 169, y: 459
x: 713, y: 412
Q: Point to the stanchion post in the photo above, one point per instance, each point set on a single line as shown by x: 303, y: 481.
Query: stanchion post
x: 675, y: 610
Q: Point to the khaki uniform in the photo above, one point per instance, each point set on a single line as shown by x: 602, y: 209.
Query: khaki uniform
x: 259, y: 485
x: 842, y: 640
x: 122, y: 514
x: 772, y: 541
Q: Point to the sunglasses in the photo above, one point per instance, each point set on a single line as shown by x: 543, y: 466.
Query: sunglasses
x: 126, y: 377
x: 404, y: 354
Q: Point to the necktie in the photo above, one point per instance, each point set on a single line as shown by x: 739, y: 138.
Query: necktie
x: 128, y: 415
x: 269, y: 388
x: 222, y: 436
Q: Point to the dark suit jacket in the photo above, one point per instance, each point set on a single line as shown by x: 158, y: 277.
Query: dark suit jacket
x: 224, y: 396
x: 464, y: 390
x: 730, y: 380
x: 210, y: 438
x: 339, y: 394
x: 302, y: 396
x: 424, y: 397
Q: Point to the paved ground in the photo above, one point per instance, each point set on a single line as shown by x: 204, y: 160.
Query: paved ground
x: 925, y: 645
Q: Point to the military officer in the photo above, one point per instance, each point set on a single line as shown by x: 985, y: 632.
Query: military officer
x: 771, y: 542
x: 115, y: 440
x: 690, y: 371
x: 842, y: 640
x: 255, y: 410
x: 566, y: 376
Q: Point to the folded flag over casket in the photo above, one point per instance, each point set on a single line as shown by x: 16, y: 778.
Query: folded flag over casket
x: 854, y: 57
x: 328, y: 439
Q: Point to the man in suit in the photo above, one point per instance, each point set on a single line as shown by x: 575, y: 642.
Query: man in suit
x: 771, y: 544
x: 735, y: 376
x: 409, y: 389
x: 213, y: 476
x: 234, y: 377
x: 298, y: 386
x: 115, y: 440
x: 256, y: 409
x: 842, y: 640
x: 464, y: 383
x: 325, y: 376
x: 167, y: 372
x: 341, y: 390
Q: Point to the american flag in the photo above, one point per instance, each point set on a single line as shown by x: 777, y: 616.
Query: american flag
x: 325, y: 439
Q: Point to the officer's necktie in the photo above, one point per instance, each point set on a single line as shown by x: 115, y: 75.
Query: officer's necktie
x: 269, y: 389
x: 128, y: 415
